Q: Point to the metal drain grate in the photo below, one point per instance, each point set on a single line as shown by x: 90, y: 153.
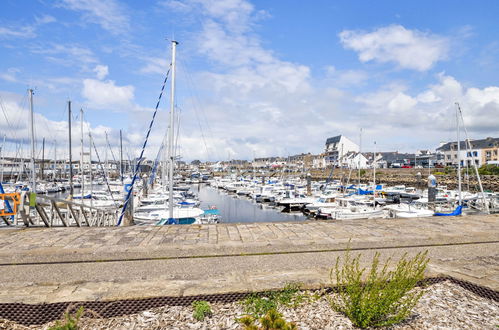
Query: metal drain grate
x: 38, y: 314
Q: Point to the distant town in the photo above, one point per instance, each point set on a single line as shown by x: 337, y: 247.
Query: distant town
x: 339, y: 151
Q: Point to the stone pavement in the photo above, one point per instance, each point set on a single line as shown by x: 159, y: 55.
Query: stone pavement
x: 68, y: 264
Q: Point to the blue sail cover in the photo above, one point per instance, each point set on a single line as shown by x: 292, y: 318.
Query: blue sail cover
x: 365, y: 192
x: 457, y: 211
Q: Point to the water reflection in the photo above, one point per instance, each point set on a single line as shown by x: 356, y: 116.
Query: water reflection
x: 241, y: 209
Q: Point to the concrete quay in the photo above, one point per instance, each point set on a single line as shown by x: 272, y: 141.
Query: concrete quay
x: 76, y: 264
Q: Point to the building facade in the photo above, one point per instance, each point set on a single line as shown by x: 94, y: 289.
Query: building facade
x: 337, y: 147
x: 481, y: 152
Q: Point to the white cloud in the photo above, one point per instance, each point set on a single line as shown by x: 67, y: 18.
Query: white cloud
x: 101, y: 71
x: 410, y: 49
x: 25, y: 31
x: 66, y: 54
x: 20, y: 32
x: 155, y: 65
x: 432, y: 111
x: 45, y: 19
x: 10, y: 75
x: 106, y: 95
x: 109, y: 14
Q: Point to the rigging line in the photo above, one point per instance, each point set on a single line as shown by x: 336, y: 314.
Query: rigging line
x: 195, y: 103
x: 112, y: 153
x: 102, y: 167
x: 139, y: 161
x: 176, y: 151
x: 156, y: 162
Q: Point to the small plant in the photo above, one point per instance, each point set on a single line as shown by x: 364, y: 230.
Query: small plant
x: 271, y: 321
x: 202, y: 310
x: 70, y: 321
x: 259, y: 304
x: 382, y: 297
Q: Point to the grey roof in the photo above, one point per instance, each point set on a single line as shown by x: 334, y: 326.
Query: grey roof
x: 475, y: 144
x: 334, y: 139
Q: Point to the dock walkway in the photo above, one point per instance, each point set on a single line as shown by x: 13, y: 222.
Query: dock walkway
x: 77, y: 264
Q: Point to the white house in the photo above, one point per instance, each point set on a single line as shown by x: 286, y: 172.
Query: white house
x: 337, y: 147
x: 354, y: 160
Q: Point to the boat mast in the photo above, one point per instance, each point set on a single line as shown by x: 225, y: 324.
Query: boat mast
x: 33, y: 174
x: 121, y: 157
x: 71, y: 188
x: 90, y: 168
x: 374, y: 167
x: 487, y: 210
x: 82, y: 173
x: 42, y: 167
x: 458, y: 155
x: 2, y: 151
x: 170, y: 133
x: 54, y: 173
x: 360, y: 153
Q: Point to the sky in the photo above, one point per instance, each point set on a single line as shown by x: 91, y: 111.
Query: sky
x: 254, y: 78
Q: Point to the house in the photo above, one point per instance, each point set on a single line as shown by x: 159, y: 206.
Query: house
x: 337, y: 147
x: 354, y: 160
x: 481, y: 152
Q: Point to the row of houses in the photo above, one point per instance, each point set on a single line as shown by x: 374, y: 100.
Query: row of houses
x: 342, y: 152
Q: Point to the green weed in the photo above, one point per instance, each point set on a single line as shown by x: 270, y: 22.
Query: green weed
x: 70, y: 321
x: 259, y: 304
x: 202, y: 309
x: 379, y: 297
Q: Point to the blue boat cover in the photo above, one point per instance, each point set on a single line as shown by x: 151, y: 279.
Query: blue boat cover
x: 457, y: 211
x: 211, y: 211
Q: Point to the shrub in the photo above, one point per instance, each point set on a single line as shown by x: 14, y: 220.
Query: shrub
x: 202, y: 310
x: 271, y: 321
x: 382, y: 297
x: 70, y: 322
x: 489, y: 170
x: 362, y: 172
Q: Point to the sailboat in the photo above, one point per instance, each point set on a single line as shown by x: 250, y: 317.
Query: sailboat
x: 164, y: 208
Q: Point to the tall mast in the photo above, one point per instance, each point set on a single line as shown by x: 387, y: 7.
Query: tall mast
x: 2, y: 151
x: 71, y: 188
x: 485, y: 204
x: 55, y: 161
x: 374, y: 167
x: 106, y: 163
x: 82, y: 171
x: 33, y: 174
x: 170, y: 133
x: 121, y: 157
x: 458, y: 155
x: 90, y: 167
x: 360, y: 153
x: 42, y: 167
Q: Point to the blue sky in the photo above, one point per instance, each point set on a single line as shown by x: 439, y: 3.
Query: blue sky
x: 255, y: 78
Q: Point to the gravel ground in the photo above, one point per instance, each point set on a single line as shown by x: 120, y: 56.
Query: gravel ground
x: 443, y: 306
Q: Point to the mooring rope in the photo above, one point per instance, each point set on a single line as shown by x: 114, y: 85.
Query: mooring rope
x: 139, y: 161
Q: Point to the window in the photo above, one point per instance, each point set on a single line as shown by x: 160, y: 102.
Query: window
x: 475, y: 153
